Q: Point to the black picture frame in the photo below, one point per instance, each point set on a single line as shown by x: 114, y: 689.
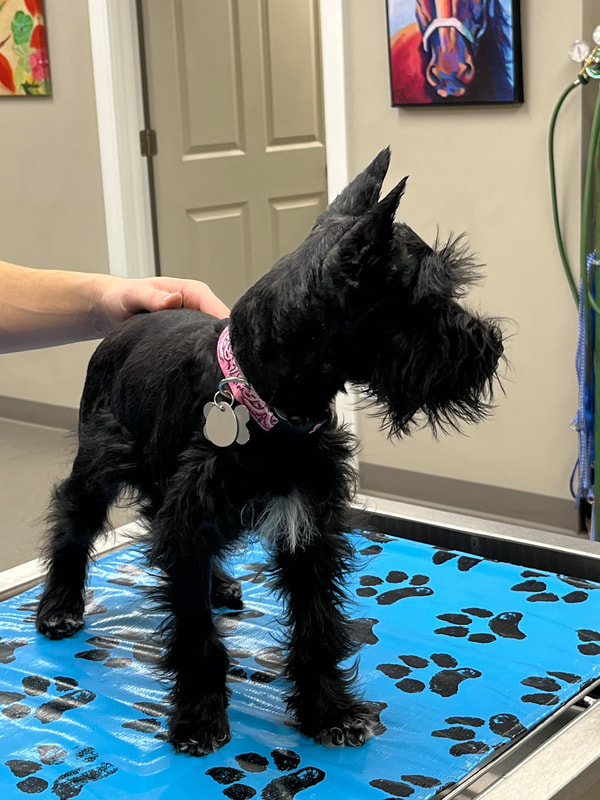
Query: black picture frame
x: 471, y: 58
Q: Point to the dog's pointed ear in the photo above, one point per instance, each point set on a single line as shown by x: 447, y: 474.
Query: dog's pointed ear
x: 370, y: 236
x: 447, y: 269
x: 362, y: 192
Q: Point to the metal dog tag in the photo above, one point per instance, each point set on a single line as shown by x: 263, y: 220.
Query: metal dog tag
x: 225, y: 425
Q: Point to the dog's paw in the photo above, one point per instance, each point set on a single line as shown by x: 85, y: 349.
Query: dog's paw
x: 190, y: 733
x: 59, y: 615
x: 352, y: 729
x: 57, y: 625
x: 227, y: 595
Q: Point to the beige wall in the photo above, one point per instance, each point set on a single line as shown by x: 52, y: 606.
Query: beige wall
x: 479, y: 170
x: 484, y: 170
x: 51, y: 203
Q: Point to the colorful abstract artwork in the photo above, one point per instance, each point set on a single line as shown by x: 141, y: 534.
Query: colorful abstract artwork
x: 454, y: 52
x: 24, y: 67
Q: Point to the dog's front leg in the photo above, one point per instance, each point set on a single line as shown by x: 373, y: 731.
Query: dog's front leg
x: 323, y: 701
x: 194, y: 655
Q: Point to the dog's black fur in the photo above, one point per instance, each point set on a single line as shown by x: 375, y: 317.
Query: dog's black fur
x: 363, y: 300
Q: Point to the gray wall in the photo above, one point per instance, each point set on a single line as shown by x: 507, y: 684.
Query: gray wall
x: 51, y: 203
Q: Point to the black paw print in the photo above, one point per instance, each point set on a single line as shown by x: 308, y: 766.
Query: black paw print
x: 546, y: 688
x: 505, y: 625
x: 537, y: 588
x: 397, y: 789
x: 590, y: 639
x: 256, y: 572
x: 70, y: 783
x: 378, y: 538
x: 445, y: 681
x: 362, y: 630
x: 102, y: 645
x: 289, y: 785
x: 416, y: 587
x: 7, y: 649
x: 130, y: 575
x: 145, y: 648
x: 462, y: 732
x: 151, y: 721
x: 229, y: 621
x: 271, y: 659
x: 464, y: 563
x: 70, y: 698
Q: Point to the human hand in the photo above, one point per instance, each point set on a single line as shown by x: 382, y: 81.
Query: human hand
x: 120, y: 298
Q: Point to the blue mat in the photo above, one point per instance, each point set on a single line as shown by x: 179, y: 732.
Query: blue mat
x: 461, y: 654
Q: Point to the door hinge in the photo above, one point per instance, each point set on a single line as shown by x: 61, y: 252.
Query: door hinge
x: 148, y: 143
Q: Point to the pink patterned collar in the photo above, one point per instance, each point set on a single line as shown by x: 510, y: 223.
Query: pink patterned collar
x: 241, y: 389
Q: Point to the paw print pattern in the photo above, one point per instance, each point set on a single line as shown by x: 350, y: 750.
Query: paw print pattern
x: 7, y: 649
x: 129, y: 575
x: 287, y: 786
x: 462, y: 732
x: 416, y: 587
x: 445, y: 681
x: 231, y: 620
x: 591, y: 640
x: 151, y: 721
x: 546, y: 687
x: 378, y: 540
x: 505, y: 625
x: 464, y: 563
x: 362, y: 630
x: 270, y: 658
x: 145, y: 647
x: 536, y: 588
x: 67, y: 785
x: 71, y: 697
x: 102, y: 645
x: 402, y: 788
x: 255, y: 572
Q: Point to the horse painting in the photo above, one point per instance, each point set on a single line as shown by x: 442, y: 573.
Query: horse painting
x: 455, y: 51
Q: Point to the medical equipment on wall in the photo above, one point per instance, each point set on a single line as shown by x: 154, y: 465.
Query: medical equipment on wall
x: 587, y: 419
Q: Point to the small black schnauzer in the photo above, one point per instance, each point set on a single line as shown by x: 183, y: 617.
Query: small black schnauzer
x: 221, y: 427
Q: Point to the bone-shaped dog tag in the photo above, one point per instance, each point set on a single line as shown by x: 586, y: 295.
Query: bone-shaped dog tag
x: 225, y: 425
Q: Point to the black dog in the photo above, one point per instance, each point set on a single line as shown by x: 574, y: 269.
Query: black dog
x: 165, y: 410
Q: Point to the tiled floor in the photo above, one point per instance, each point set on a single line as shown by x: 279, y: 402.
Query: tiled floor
x: 32, y: 459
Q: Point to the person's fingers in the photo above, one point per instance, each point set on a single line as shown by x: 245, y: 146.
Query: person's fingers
x: 203, y: 298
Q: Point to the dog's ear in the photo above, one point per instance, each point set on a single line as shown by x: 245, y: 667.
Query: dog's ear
x: 362, y: 193
x: 370, y: 237
x: 447, y: 270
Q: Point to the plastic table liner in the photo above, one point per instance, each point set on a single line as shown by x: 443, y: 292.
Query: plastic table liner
x: 461, y: 655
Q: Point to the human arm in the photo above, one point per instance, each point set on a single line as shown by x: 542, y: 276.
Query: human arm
x: 42, y: 308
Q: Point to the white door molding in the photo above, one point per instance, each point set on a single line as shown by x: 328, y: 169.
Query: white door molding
x: 336, y: 139
x: 117, y: 80
x: 334, y: 93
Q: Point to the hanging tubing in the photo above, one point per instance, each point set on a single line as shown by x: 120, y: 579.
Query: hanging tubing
x: 587, y: 419
x: 584, y: 419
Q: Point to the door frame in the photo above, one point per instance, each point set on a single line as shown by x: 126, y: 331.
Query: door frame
x: 119, y: 106
x: 120, y: 115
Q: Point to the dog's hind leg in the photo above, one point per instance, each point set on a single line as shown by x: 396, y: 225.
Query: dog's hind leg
x: 311, y: 577
x: 77, y: 514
